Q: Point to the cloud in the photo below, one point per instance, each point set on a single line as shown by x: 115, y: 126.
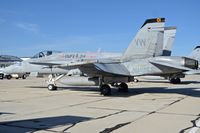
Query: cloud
x: 34, y: 28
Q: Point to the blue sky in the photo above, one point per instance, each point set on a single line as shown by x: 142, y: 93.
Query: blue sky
x: 30, y: 26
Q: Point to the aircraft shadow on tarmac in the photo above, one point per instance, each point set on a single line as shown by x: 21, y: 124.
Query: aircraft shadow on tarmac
x: 194, y: 92
x: 31, y: 125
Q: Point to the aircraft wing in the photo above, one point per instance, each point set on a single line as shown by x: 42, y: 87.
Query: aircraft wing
x: 98, y: 68
x: 164, y: 65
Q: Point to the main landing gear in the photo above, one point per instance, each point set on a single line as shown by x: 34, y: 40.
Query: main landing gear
x: 175, y: 80
x: 106, y: 90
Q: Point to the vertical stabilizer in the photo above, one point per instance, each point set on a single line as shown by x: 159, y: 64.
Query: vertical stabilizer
x: 169, y: 36
x: 147, y: 40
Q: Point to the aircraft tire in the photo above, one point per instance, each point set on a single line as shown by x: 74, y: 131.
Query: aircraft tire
x: 175, y: 80
x: 135, y: 80
x: 24, y: 76
x: 178, y: 80
x: 52, y: 87
x: 8, y: 77
x: 123, y: 87
x: 1, y: 76
x: 105, y: 90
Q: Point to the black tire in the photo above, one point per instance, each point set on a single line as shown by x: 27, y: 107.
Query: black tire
x: 8, y: 77
x: 52, y: 87
x: 178, y: 80
x: 175, y: 80
x: 123, y: 87
x: 24, y: 76
x: 1, y: 76
x: 105, y: 90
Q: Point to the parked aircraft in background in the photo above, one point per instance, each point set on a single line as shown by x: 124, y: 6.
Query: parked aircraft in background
x: 6, y: 60
x: 21, y: 68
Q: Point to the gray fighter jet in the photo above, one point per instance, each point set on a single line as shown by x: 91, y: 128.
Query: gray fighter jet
x: 47, y: 59
x: 139, y: 59
x: 22, y: 69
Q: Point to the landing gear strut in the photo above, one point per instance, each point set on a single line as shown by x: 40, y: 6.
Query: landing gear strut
x: 51, y: 82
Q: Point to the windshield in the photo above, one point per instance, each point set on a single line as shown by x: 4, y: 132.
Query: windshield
x: 45, y: 53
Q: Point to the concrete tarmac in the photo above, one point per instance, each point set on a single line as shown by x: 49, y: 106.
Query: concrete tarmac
x: 149, y: 107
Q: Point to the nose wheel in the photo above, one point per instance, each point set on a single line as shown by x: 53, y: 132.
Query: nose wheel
x: 52, y: 87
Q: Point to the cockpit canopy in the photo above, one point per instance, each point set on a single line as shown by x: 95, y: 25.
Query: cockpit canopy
x: 197, y: 47
x: 45, y: 53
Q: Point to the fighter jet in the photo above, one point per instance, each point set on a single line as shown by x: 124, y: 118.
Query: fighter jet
x: 22, y: 68
x: 48, y: 58
x: 139, y: 59
x: 169, y: 34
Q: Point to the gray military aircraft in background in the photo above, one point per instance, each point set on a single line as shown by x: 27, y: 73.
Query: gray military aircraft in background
x: 139, y: 59
x: 21, y: 69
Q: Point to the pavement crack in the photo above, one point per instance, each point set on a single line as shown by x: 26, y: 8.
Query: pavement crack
x: 97, y: 118
x: 194, y: 124
x: 89, y: 102
x: 101, y: 117
x: 108, y: 130
x: 176, y: 101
